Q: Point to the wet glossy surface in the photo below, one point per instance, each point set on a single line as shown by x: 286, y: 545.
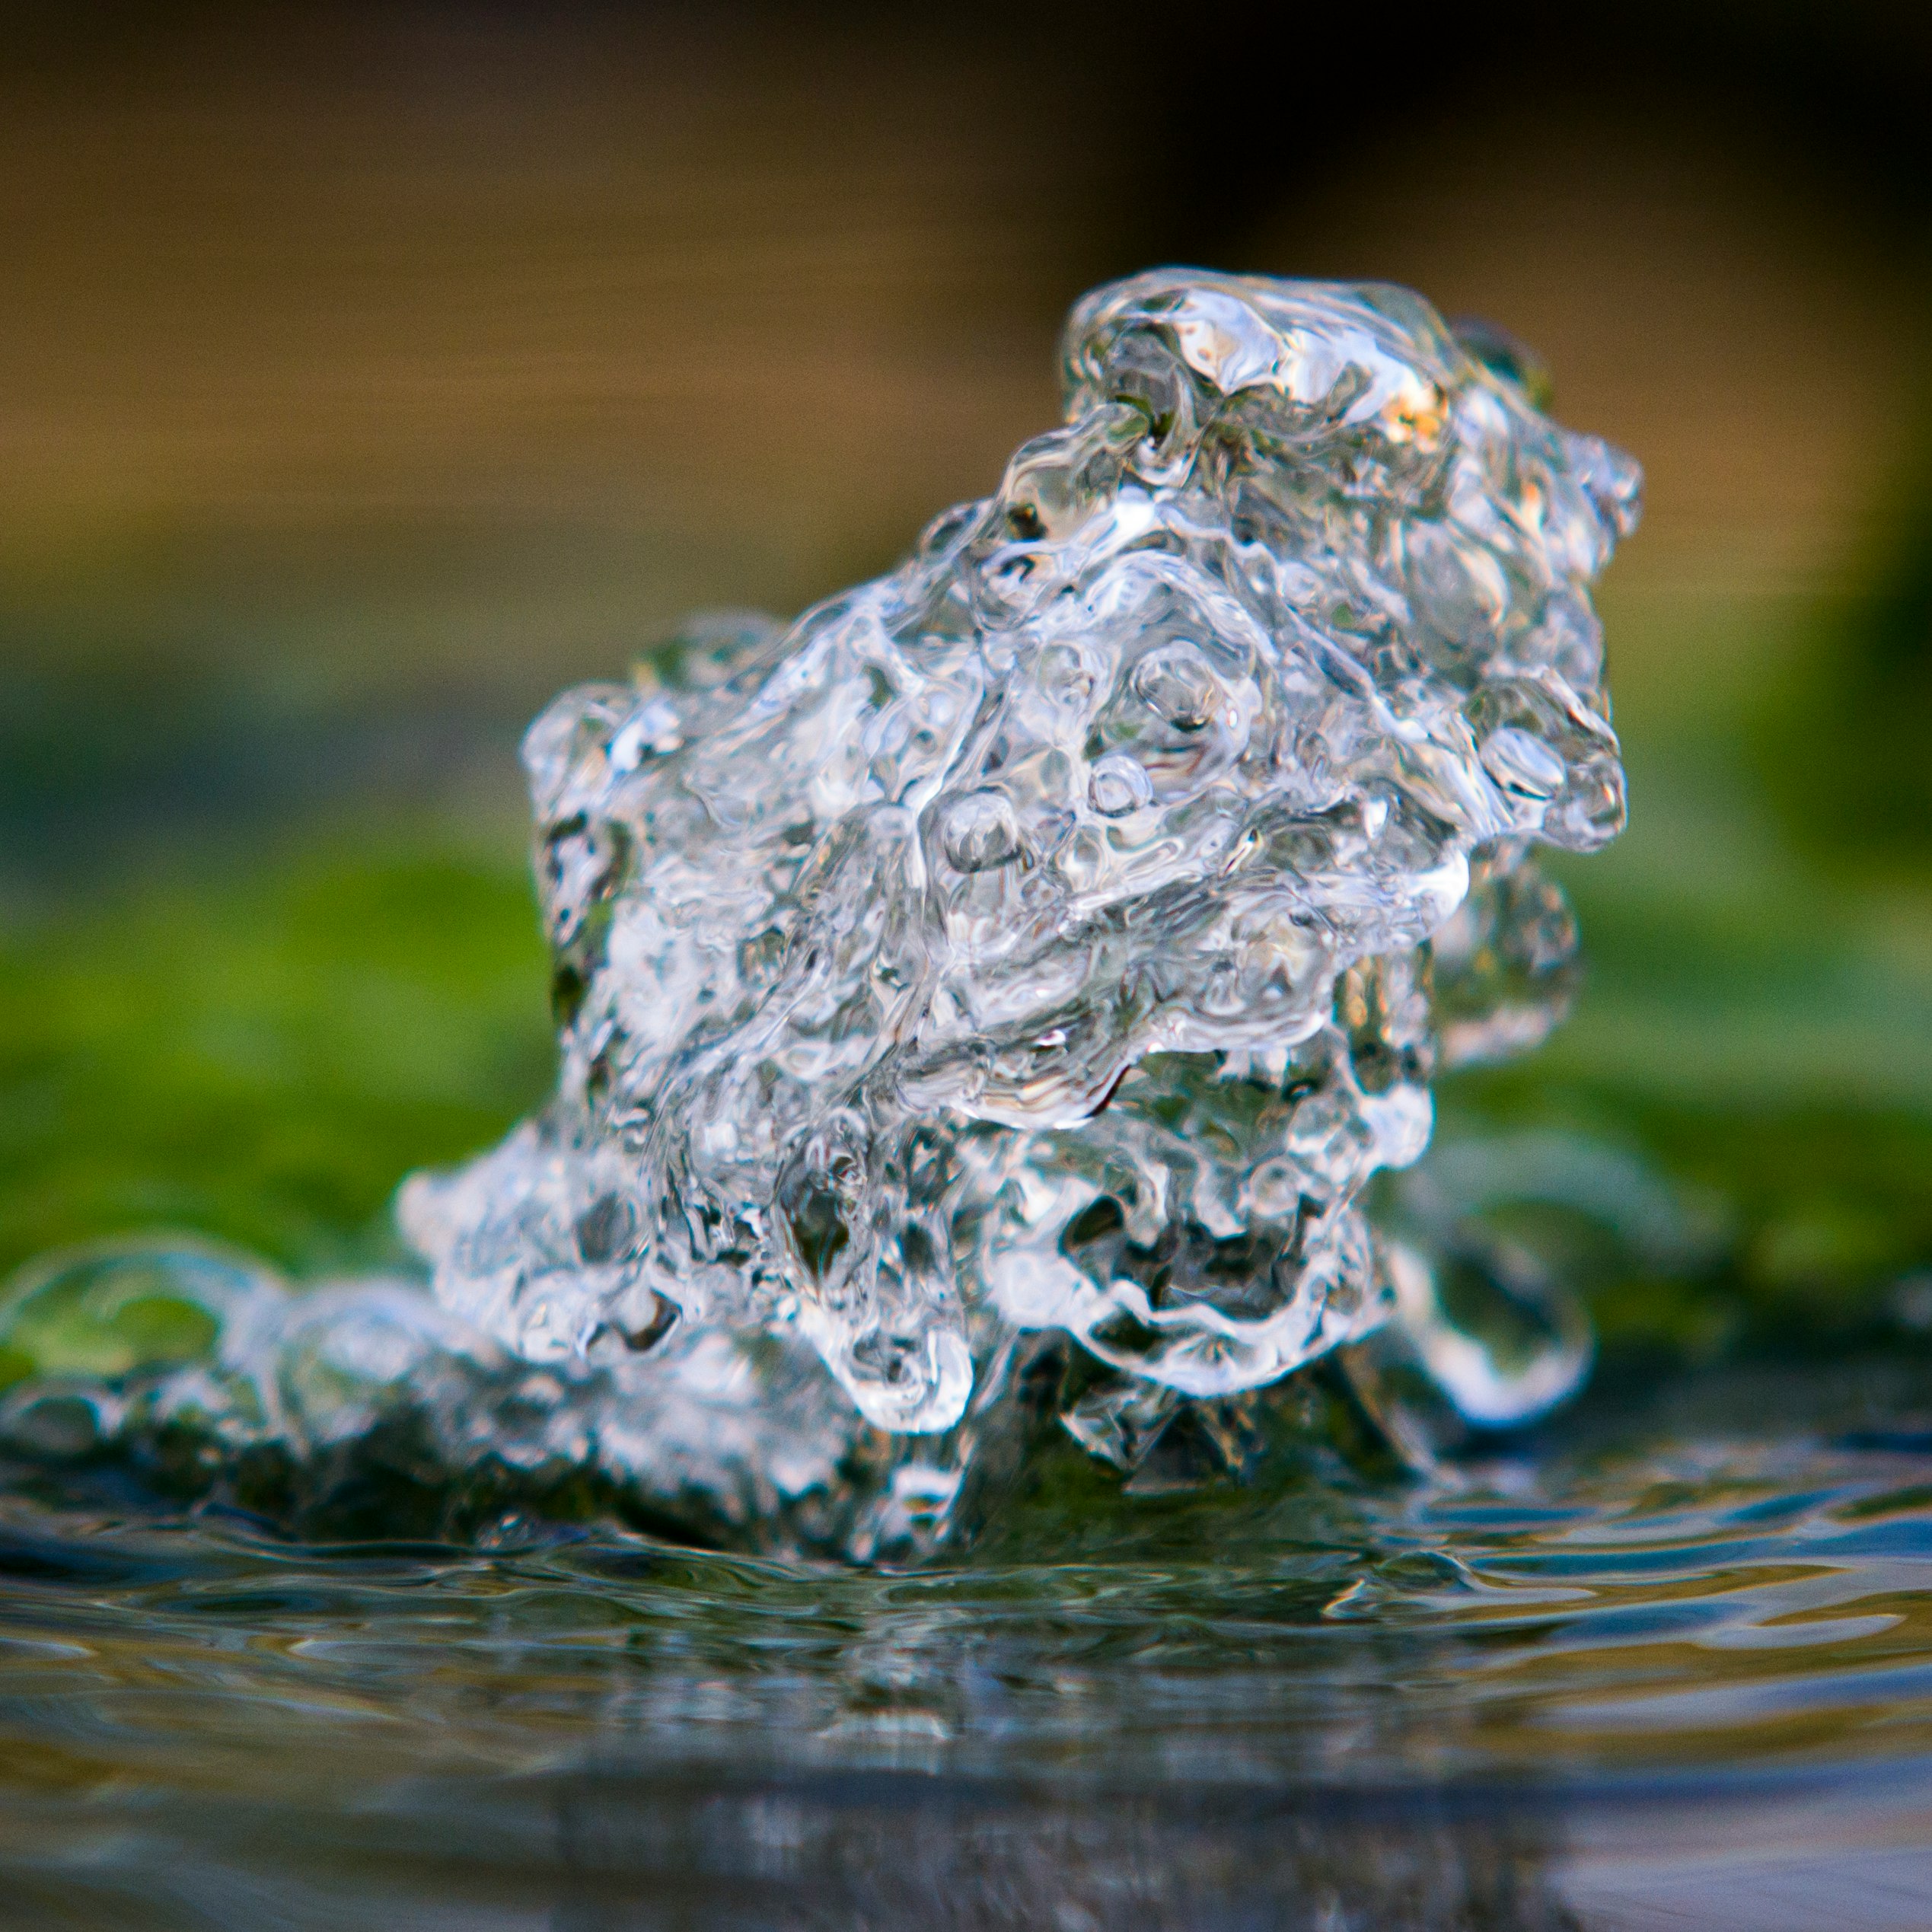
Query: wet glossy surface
x: 1692, y: 1636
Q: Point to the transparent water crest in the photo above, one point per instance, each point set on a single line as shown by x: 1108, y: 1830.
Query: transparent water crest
x: 983, y: 1003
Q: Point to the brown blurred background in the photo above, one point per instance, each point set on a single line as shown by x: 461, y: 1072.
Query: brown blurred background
x: 347, y: 354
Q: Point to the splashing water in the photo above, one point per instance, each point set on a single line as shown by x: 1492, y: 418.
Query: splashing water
x: 1026, y: 958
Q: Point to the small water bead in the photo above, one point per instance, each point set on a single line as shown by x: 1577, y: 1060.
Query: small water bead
x: 1118, y: 785
x: 1177, y: 683
x: 1521, y: 763
x: 1065, y: 676
x: 981, y: 832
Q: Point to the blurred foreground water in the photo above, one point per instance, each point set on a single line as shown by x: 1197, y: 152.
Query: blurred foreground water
x: 1593, y: 1680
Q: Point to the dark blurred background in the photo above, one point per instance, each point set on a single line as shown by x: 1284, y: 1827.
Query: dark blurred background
x: 367, y: 376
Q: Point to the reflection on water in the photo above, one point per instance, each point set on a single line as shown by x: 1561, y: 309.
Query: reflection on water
x: 1539, y: 1692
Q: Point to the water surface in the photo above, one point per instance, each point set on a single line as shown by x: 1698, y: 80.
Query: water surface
x: 1589, y: 1681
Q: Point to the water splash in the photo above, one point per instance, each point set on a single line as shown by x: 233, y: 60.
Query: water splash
x: 1035, y: 938
x: 1047, y: 940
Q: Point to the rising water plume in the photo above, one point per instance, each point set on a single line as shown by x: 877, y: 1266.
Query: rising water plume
x: 1042, y: 945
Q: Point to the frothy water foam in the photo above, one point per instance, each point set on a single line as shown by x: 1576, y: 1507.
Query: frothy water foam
x: 987, y: 1000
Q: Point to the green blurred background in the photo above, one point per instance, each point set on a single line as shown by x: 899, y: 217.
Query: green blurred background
x: 366, y: 376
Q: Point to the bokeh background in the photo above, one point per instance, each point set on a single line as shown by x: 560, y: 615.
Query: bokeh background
x: 366, y: 376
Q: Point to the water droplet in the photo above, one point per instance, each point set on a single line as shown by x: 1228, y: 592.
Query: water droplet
x: 1118, y: 785
x: 981, y: 832
x: 1178, y: 684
